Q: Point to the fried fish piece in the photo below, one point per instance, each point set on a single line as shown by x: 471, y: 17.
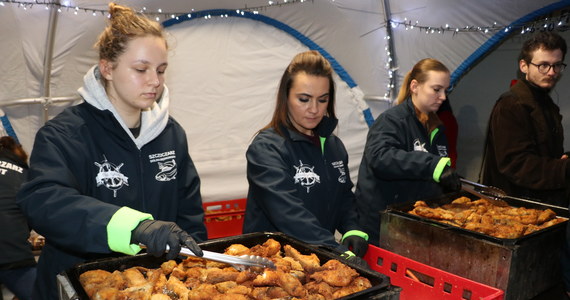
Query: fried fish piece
x: 310, y: 263
x: 267, y: 293
x: 320, y: 288
x: 268, y: 249
x: 237, y: 250
x: 168, y: 266
x: 160, y: 297
x: 437, y: 213
x: 92, y: 280
x: 134, y: 277
x: 203, y: 292
x: 177, y: 287
x: 106, y: 293
x: 335, y: 273
x: 358, y: 284
x: 216, y: 275
x: 546, y: 215
x: 286, y: 281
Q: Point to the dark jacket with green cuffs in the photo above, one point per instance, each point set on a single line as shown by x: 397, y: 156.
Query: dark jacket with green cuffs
x: 402, y: 162
x: 91, y: 183
x: 299, y: 188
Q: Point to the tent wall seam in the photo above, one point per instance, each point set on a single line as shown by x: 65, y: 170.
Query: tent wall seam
x: 391, y: 50
x: 48, y: 57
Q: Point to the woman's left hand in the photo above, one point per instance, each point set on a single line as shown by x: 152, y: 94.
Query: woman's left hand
x: 355, y: 243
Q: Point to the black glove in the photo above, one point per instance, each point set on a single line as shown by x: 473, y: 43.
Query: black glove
x: 449, y: 180
x: 156, y: 235
x: 355, y: 260
x: 355, y: 241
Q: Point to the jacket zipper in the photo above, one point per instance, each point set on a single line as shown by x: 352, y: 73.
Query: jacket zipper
x: 141, y: 179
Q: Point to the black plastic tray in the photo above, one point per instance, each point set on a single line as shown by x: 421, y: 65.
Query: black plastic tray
x: 403, y: 208
x: 380, y: 283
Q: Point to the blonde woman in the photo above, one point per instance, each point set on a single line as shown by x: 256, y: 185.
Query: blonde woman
x: 114, y: 172
x: 405, y: 156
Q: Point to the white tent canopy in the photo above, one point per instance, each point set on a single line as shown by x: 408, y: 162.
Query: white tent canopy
x: 228, y: 55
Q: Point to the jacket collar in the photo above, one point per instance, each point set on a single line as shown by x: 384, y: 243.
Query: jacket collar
x: 324, y: 129
x: 430, y: 121
x: 530, y: 92
x: 153, y: 120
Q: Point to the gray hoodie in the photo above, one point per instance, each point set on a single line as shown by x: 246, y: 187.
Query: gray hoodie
x: 153, y: 119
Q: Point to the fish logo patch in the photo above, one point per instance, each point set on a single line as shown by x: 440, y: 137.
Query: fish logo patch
x: 167, y: 171
x: 166, y: 163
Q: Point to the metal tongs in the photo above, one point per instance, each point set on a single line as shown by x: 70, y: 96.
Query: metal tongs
x: 496, y: 195
x: 490, y: 193
x: 240, y: 263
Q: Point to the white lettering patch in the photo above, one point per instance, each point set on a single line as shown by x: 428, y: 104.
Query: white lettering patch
x: 167, y: 169
x: 339, y: 165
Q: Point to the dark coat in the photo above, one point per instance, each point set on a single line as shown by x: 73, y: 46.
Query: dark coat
x: 299, y: 188
x: 84, y: 167
x: 398, y: 164
x: 524, y: 145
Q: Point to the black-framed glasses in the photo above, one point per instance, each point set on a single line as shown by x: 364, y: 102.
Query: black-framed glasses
x: 545, y: 68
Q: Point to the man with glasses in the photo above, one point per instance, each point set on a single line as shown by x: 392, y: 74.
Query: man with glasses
x: 524, y: 151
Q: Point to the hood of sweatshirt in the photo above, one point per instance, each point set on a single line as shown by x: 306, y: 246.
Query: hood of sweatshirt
x: 153, y: 119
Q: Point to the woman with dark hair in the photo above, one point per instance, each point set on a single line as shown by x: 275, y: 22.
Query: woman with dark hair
x: 114, y: 172
x: 17, y: 263
x: 405, y: 156
x: 297, y: 168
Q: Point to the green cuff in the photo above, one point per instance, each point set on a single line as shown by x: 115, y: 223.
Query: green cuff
x: 359, y: 233
x: 348, y: 254
x: 443, y: 162
x: 120, y: 228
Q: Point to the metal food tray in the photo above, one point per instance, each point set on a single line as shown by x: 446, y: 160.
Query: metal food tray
x: 523, y: 267
x: 70, y: 287
x: 403, y: 208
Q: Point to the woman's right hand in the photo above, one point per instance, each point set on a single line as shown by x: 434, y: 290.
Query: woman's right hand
x: 156, y: 235
x: 449, y: 180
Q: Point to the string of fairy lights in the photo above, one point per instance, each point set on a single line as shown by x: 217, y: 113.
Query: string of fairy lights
x: 159, y: 15
x: 547, y: 23
x: 559, y: 23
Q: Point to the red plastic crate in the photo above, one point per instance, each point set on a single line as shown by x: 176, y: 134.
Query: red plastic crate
x: 419, y: 281
x: 224, y: 218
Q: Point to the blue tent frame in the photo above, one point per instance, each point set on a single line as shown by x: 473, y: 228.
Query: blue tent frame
x: 500, y: 36
x: 277, y: 24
